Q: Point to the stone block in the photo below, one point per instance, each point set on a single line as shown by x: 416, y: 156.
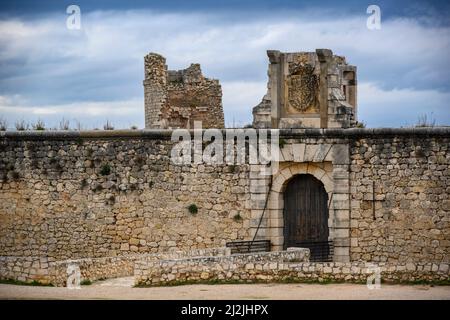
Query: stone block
x: 321, y: 153
x: 340, y: 204
x: 277, y: 184
x: 310, y: 152
x: 341, y: 232
x: 298, y: 151
x: 341, y: 186
x: 276, y: 223
x: 444, y: 267
x: 277, y: 241
x: 340, y: 173
x: 341, y: 258
x: 410, y: 267
x: 286, y: 153
x: 255, y: 222
x: 256, y: 214
x: 276, y: 232
x: 340, y: 154
x: 257, y: 204
x: 259, y: 188
x: 275, y: 201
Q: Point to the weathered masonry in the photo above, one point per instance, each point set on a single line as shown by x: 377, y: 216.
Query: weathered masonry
x: 308, y: 90
x: 175, y: 99
x: 99, y: 194
x: 380, y: 195
x: 115, y: 201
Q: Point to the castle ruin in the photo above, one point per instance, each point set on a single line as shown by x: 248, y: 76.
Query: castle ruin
x: 305, y: 90
x: 176, y: 98
x: 308, y: 90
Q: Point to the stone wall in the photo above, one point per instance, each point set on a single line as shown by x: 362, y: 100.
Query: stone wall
x: 400, y: 194
x: 284, y: 266
x: 25, y: 269
x: 45, y: 270
x: 410, y: 169
x: 234, y: 267
x: 175, y: 99
x: 72, y: 195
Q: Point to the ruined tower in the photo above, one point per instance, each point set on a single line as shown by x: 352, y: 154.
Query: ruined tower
x: 175, y: 99
x: 308, y: 90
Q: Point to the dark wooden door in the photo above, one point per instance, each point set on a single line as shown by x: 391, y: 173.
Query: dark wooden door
x: 305, y: 211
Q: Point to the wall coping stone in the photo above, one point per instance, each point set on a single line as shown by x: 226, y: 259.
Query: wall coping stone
x: 165, y: 134
x: 264, y: 256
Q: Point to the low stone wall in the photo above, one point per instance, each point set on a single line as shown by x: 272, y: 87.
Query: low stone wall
x: 93, y: 269
x: 217, y: 265
x: 283, y: 266
x: 26, y: 269
x: 47, y: 271
x: 235, y: 267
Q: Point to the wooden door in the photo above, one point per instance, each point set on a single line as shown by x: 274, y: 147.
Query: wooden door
x: 305, y: 211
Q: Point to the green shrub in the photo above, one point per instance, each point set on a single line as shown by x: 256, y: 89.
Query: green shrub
x: 112, y: 199
x: 3, y: 124
x: 79, y: 141
x: 39, y: 125
x: 360, y: 124
x: 15, y: 175
x: 106, y: 170
x: 86, y: 282
x: 139, y: 160
x: 237, y: 217
x: 25, y: 283
x: 108, y: 126
x: 193, y: 209
x: 22, y: 125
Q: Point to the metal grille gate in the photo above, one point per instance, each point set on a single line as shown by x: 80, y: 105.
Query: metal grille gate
x: 320, y: 251
x: 249, y: 246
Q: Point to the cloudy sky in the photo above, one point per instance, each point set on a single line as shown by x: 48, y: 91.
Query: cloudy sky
x: 93, y: 74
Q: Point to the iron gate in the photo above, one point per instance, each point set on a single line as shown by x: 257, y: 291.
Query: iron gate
x: 320, y: 251
x: 249, y: 246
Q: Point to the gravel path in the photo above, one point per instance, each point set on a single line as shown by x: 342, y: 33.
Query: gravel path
x: 121, y: 288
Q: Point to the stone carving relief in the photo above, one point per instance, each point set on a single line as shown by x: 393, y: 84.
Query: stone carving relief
x: 303, y: 86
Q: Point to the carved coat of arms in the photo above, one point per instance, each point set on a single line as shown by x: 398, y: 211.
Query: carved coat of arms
x: 302, y: 89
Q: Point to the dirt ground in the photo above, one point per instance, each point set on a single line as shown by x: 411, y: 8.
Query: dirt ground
x: 121, y: 288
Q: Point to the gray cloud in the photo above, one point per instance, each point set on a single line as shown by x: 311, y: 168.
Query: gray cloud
x: 49, y: 72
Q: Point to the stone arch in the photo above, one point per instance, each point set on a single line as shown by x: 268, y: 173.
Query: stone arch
x: 276, y: 201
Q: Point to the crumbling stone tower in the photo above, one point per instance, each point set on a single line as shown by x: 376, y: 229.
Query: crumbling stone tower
x: 175, y: 99
x: 308, y: 90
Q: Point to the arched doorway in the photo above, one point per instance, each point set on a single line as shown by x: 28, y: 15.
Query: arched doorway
x: 306, y: 216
